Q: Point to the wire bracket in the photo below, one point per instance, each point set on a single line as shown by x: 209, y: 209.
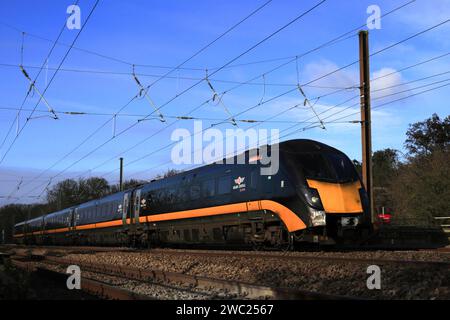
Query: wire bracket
x: 220, y: 101
x: 35, y: 89
x: 307, y: 102
x: 143, y: 92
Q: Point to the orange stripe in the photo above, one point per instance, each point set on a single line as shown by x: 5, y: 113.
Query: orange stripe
x: 57, y: 230
x: 100, y: 225
x: 338, y: 197
x: 289, y: 218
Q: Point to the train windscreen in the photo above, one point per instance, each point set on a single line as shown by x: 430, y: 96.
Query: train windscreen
x: 327, y: 166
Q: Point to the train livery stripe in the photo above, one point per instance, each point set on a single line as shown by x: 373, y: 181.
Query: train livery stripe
x: 289, y: 218
x: 98, y: 225
x: 338, y: 197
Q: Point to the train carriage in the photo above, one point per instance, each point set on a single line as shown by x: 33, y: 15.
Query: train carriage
x: 315, y: 196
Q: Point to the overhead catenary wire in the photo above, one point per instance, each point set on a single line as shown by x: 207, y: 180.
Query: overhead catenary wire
x: 335, y: 121
x: 379, y: 51
x: 307, y: 120
x: 35, y: 79
x: 340, y: 37
x: 211, y: 43
x: 298, y: 17
x: 201, y: 69
x: 385, y: 104
x: 140, y: 74
x: 268, y: 119
x: 147, y: 116
x: 51, y: 80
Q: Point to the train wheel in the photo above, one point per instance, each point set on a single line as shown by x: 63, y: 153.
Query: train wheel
x: 286, y: 242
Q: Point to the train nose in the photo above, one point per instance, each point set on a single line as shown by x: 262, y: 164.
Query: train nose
x: 338, y: 197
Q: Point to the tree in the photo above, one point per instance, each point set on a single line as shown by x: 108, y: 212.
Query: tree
x: 421, y: 189
x: 64, y: 194
x: 70, y: 192
x: 427, y: 136
x: 168, y: 173
x: 385, y: 164
x: 92, y: 188
x: 127, y: 184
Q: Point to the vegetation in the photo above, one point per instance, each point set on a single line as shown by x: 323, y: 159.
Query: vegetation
x: 64, y: 194
x: 417, y: 188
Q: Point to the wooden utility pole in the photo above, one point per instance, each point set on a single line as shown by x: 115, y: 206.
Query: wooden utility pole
x: 121, y: 175
x: 366, y: 128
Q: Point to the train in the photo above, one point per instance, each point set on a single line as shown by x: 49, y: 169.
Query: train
x: 315, y: 197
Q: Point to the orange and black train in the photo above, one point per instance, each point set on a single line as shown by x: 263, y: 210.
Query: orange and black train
x: 315, y: 196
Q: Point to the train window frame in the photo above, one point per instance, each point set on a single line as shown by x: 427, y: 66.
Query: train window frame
x: 254, y: 179
x: 195, y: 192
x: 208, y: 188
x: 224, y: 179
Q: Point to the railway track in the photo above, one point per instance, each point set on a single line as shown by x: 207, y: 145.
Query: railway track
x: 287, y: 257
x: 91, y: 286
x: 185, y: 283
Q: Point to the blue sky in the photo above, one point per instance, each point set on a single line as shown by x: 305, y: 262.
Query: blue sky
x: 165, y: 33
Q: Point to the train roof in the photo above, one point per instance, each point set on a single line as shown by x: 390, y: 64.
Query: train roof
x: 304, y: 145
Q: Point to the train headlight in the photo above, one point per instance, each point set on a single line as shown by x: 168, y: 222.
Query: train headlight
x: 313, y: 198
x: 318, y: 217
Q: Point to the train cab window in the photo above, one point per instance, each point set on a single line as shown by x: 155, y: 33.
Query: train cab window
x: 208, y: 188
x: 224, y: 185
x: 342, y: 166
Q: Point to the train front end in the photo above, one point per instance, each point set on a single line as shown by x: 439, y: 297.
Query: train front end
x: 334, y: 203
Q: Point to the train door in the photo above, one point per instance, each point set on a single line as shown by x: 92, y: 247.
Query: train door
x: 125, y: 205
x: 76, y: 217
x: 136, y: 207
x: 268, y: 184
x: 73, y: 212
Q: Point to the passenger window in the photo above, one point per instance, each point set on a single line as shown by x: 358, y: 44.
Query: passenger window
x: 208, y: 188
x: 195, y: 192
x: 254, y: 179
x: 224, y: 185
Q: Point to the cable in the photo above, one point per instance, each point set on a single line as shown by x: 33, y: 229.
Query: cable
x: 37, y: 76
x: 374, y: 99
x: 200, y: 81
x: 147, y: 116
x: 390, y: 102
x: 332, y: 72
x: 211, y: 43
x: 306, y: 121
x: 201, y: 69
x: 51, y: 80
x: 338, y: 37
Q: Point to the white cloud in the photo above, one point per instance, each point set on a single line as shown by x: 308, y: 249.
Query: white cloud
x: 343, y: 78
x: 389, y: 80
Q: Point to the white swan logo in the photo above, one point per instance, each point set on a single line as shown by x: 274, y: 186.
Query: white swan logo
x: 239, y: 183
